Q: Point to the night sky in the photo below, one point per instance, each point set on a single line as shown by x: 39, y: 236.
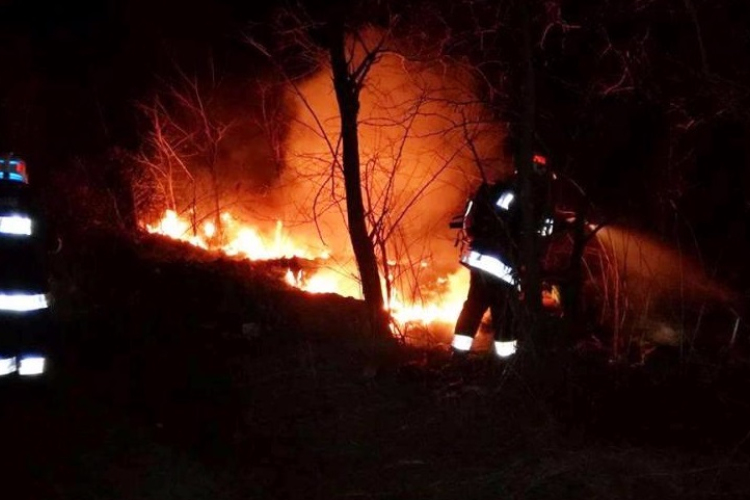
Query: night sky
x: 78, y: 68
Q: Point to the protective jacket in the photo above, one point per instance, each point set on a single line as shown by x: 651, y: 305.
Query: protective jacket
x: 24, y: 245
x: 493, y: 227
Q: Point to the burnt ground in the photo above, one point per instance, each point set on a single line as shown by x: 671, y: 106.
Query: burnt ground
x: 181, y: 375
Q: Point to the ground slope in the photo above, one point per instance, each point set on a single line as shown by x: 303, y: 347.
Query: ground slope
x: 184, y: 375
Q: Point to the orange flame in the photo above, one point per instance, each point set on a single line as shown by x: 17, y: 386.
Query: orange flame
x: 249, y: 242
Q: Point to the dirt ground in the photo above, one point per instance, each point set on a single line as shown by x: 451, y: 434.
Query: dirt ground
x: 181, y: 375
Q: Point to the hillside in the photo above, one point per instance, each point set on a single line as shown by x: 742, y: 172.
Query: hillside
x: 185, y: 375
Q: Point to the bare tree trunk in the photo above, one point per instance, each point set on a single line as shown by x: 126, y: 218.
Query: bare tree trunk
x: 690, y: 7
x: 347, y: 95
x: 170, y: 188
x: 531, y: 278
x: 219, y: 235
x: 194, y: 211
x: 574, y: 276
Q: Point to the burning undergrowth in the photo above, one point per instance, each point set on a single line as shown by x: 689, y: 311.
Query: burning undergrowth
x: 222, y: 359
x: 301, y: 267
x: 423, y: 136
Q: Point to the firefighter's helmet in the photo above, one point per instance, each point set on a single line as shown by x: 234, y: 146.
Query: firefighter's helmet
x: 542, y: 169
x: 13, y: 168
x: 540, y: 164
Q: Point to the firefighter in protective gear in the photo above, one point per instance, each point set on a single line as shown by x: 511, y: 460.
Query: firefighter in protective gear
x: 492, y: 227
x: 24, y: 277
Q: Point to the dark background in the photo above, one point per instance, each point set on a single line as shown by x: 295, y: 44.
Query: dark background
x: 73, y: 72
x: 164, y: 390
x: 667, y: 151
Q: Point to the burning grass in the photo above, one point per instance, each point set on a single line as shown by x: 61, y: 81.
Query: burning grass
x: 283, y: 392
x: 427, y: 317
x: 636, y: 294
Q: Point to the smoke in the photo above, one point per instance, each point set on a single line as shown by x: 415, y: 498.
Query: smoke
x: 422, y: 137
x: 656, y: 277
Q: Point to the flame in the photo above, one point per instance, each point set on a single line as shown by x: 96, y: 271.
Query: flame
x: 442, y: 308
x: 421, y: 134
x: 246, y: 241
x: 239, y: 239
x: 175, y: 227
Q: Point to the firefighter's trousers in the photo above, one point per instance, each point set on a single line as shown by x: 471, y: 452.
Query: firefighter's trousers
x: 488, y: 292
x: 22, y: 332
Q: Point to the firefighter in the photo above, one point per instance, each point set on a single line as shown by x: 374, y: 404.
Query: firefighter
x: 492, y: 227
x: 24, y: 285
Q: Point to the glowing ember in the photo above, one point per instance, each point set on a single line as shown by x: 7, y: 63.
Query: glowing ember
x: 291, y: 278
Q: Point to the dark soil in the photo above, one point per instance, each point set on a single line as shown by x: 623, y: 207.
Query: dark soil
x: 184, y: 375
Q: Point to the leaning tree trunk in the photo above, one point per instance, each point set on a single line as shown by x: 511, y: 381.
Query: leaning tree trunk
x: 347, y: 95
x: 531, y: 277
x: 573, y: 290
x: 216, y: 195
